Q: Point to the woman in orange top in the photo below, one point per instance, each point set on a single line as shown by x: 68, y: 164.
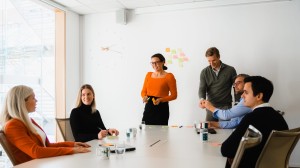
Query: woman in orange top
x: 28, y: 139
x: 159, y: 88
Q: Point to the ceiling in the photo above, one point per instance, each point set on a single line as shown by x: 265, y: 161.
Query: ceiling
x: 101, y: 6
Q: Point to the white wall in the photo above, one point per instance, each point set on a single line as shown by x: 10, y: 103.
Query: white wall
x: 258, y: 39
x: 73, y: 68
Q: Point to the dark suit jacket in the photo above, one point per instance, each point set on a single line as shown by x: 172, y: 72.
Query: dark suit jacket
x: 265, y: 119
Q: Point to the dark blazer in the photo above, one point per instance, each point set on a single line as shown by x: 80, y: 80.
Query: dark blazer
x: 265, y: 119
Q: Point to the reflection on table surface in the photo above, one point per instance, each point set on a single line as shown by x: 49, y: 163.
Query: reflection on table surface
x: 156, y: 146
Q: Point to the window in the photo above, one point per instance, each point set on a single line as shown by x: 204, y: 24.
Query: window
x: 27, y: 55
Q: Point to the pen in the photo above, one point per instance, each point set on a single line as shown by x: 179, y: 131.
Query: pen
x: 154, y: 143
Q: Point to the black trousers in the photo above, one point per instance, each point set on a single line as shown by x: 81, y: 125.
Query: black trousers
x: 156, y: 114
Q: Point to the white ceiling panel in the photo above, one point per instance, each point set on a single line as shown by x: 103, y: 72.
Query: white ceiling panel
x: 68, y: 3
x: 107, y: 7
x: 99, y: 6
x: 133, y: 4
x: 168, y: 2
x: 83, y: 9
x: 97, y: 1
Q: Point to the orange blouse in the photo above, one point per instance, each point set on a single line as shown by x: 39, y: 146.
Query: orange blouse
x: 164, y: 88
x: 28, y: 146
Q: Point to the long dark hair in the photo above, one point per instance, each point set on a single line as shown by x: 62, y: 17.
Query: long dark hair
x: 161, y: 58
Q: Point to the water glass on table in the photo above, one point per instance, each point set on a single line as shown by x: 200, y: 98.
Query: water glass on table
x: 103, y: 152
x: 120, y: 149
x: 143, y: 125
x: 134, y: 132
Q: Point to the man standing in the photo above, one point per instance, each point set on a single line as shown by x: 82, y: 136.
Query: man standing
x: 234, y: 114
x: 215, y: 82
x: 257, y: 93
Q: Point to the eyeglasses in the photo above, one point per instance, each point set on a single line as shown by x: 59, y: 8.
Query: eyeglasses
x: 155, y: 63
x: 236, y: 83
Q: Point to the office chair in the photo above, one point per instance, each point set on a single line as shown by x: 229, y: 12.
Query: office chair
x: 251, y: 138
x: 65, y: 128
x: 278, y: 148
x: 8, y: 148
x: 280, y: 112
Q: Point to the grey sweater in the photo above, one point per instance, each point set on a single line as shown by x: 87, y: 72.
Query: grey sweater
x: 217, y: 89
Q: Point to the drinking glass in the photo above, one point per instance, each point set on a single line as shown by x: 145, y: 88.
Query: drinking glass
x: 143, y: 125
x: 134, y: 132
x: 120, y: 149
x: 128, y: 133
x: 103, y: 152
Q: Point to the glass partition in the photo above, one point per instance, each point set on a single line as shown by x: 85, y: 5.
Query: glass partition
x: 27, y: 55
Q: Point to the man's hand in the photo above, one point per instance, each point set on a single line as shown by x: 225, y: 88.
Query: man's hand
x: 209, y: 106
x: 202, y: 103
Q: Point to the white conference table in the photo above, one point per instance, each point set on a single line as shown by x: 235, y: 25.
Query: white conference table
x: 177, y: 148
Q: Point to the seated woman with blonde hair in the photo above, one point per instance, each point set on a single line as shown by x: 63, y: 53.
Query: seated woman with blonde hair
x: 25, y: 135
x: 85, y: 119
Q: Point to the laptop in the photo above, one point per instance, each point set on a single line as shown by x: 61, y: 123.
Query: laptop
x: 113, y: 150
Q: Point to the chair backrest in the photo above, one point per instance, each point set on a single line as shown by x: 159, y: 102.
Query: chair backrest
x: 280, y: 112
x: 278, y: 148
x: 7, y: 146
x: 251, y: 138
x: 65, y: 128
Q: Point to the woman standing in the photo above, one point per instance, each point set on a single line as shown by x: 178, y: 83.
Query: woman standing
x: 28, y: 139
x: 159, y: 88
x: 85, y: 119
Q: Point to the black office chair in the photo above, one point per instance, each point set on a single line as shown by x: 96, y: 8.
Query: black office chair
x: 251, y: 138
x: 280, y: 112
x: 278, y: 148
x: 65, y: 128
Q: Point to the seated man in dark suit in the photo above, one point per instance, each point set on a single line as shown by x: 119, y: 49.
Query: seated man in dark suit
x: 257, y: 93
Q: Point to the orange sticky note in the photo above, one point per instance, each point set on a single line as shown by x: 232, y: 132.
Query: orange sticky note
x: 215, y: 144
x: 167, y: 49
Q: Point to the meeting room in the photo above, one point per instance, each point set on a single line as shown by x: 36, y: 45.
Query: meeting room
x: 83, y: 80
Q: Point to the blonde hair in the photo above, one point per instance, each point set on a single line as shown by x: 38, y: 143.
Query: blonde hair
x: 79, y: 101
x: 15, y: 106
